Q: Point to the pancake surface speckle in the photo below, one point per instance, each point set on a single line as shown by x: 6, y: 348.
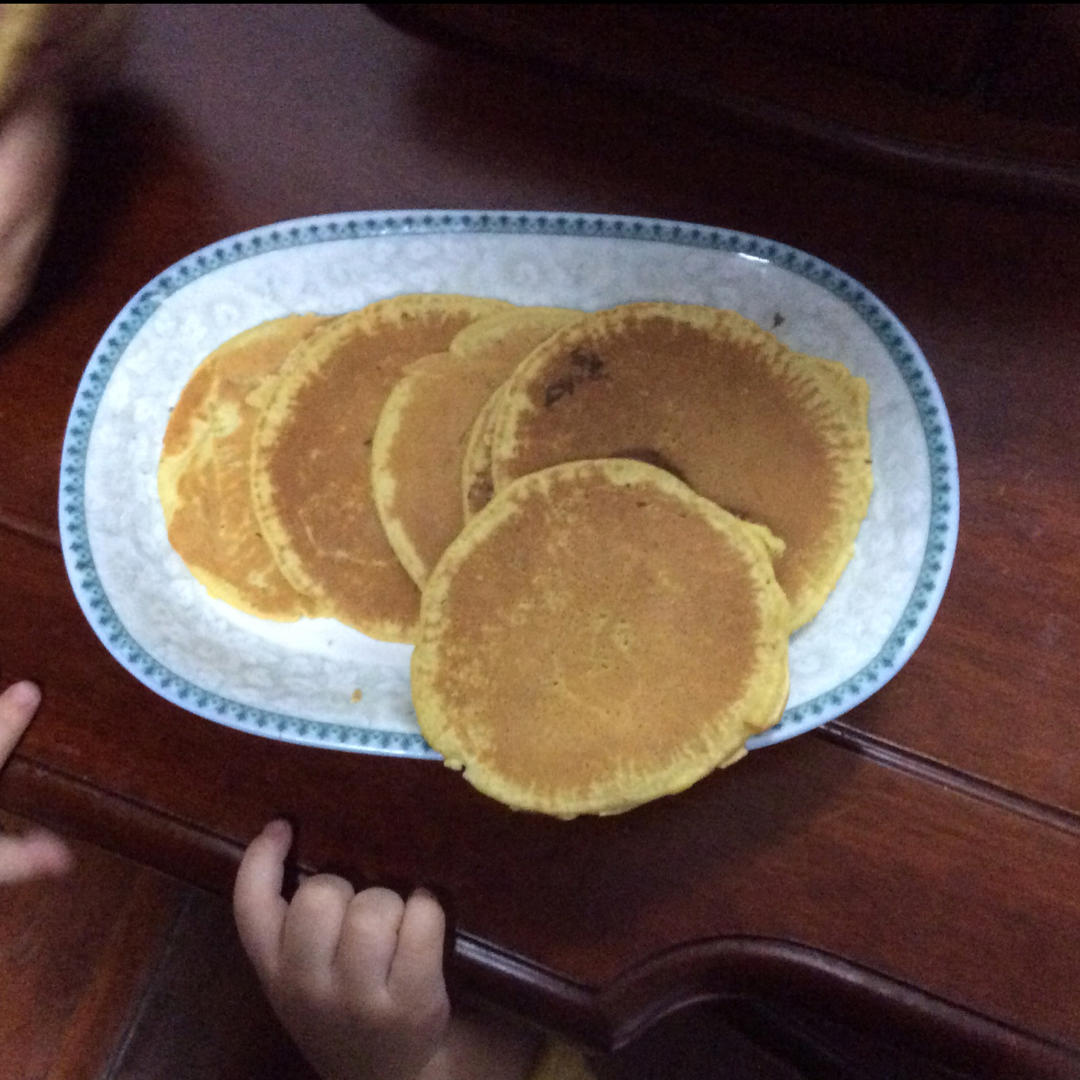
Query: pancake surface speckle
x: 771, y: 435
x: 599, y: 636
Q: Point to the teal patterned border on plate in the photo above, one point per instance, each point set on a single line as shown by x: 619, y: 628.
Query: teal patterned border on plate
x: 905, y: 353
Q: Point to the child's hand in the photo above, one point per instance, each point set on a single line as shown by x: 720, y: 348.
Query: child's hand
x: 356, y: 978
x: 38, y: 853
x: 49, y: 54
x: 32, y: 157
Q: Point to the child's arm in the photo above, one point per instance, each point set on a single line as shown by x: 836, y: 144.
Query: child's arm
x: 49, y: 54
x: 356, y: 978
x: 33, y: 137
x: 38, y: 853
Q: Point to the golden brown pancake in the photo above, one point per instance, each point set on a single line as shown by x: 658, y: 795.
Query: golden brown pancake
x: 598, y: 636
x: 311, y: 463
x: 420, y: 439
x: 775, y: 437
x: 203, y: 479
x: 850, y: 394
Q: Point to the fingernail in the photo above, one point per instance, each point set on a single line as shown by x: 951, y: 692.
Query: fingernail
x: 25, y: 694
x: 55, y: 856
x: 60, y: 860
x: 278, y: 829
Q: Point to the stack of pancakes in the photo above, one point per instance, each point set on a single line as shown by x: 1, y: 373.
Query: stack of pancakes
x: 598, y: 529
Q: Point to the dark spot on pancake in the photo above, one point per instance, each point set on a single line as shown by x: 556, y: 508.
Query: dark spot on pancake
x: 585, y: 364
x: 652, y: 457
x: 367, y: 441
x: 558, y: 389
x: 481, y: 491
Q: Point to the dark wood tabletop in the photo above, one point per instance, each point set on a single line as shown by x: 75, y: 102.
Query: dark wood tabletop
x: 910, y: 869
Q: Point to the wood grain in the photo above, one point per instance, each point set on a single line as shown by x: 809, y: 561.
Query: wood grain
x: 75, y: 956
x: 858, y: 854
x: 983, y: 288
x: 930, y: 839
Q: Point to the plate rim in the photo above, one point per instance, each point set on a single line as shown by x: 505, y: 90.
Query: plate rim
x: 901, y: 347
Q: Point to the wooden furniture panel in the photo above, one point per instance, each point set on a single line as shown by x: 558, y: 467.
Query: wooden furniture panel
x: 911, y: 868
x: 75, y: 956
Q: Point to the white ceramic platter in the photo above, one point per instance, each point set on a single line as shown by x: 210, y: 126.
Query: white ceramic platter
x: 297, y: 681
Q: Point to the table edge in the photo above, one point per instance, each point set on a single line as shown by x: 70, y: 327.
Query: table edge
x: 606, y: 1017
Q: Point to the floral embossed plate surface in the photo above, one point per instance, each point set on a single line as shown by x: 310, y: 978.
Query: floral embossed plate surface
x: 321, y: 683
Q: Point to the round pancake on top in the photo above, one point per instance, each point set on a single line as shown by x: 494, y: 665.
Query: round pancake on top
x: 598, y: 636
x: 775, y: 437
x: 203, y: 479
x: 420, y: 440
x: 311, y: 461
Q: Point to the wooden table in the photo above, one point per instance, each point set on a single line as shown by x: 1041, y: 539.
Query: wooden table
x: 911, y: 870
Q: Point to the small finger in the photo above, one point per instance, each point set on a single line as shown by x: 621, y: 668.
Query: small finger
x: 18, y: 703
x: 313, y: 928
x: 258, y: 906
x: 37, y: 854
x: 416, y: 975
x: 369, y: 940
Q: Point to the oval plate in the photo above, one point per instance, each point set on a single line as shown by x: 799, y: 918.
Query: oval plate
x: 320, y: 683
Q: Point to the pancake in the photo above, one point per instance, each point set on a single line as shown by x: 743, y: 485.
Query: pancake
x: 203, y: 479
x: 599, y: 636
x: 477, y: 483
x: 311, y: 458
x: 420, y: 440
x: 777, y: 438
